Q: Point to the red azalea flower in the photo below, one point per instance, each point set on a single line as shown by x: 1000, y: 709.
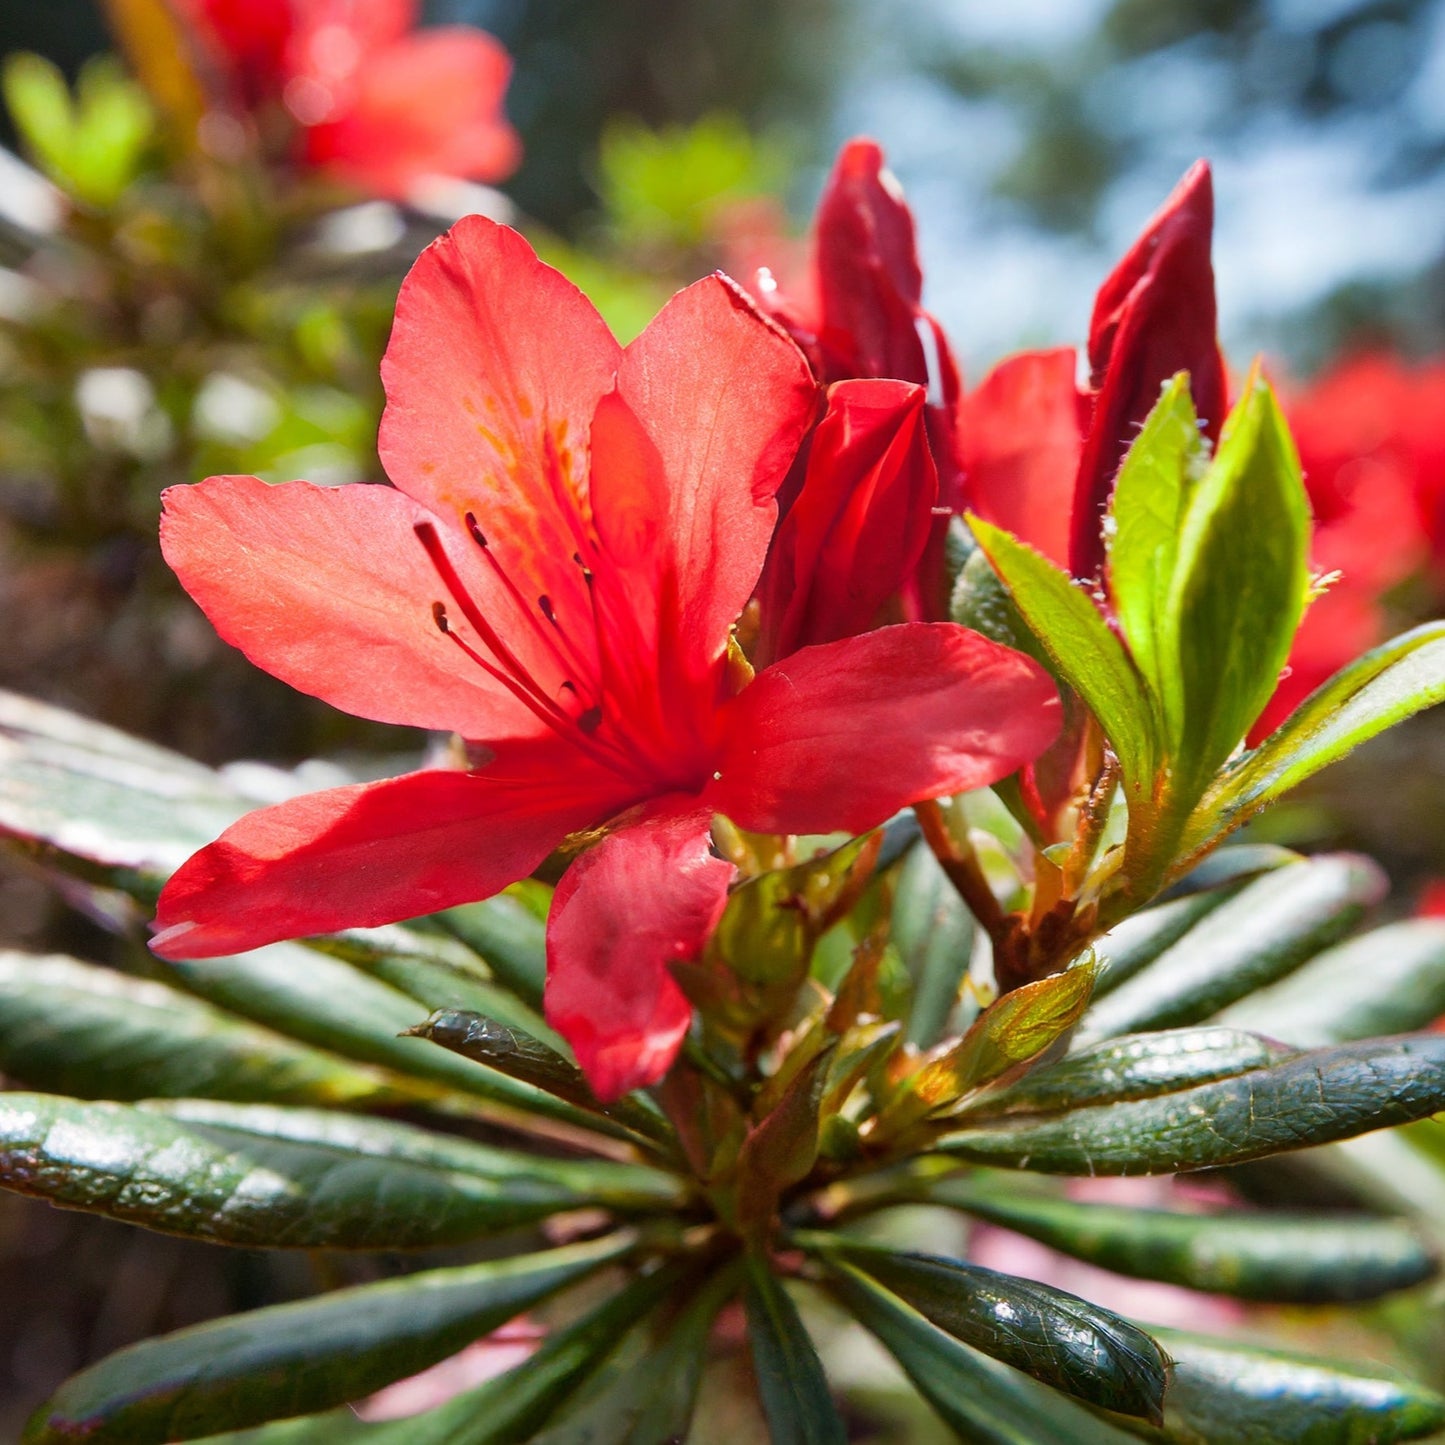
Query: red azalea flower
x: 860, y: 520
x: 858, y: 314
x: 376, y: 105
x: 574, y: 529
x: 1040, y: 456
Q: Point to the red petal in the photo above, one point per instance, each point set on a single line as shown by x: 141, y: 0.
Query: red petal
x: 860, y: 521
x: 869, y: 281
x: 1154, y: 316
x: 648, y: 894
x: 329, y: 589
x: 428, y: 105
x: 724, y: 399
x: 843, y: 735
x: 495, y: 366
x: 1021, y: 434
x: 376, y: 852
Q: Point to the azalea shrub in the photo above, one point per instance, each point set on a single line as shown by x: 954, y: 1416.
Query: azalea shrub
x: 833, y: 845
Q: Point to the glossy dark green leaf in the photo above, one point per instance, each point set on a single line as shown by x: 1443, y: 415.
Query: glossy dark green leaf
x: 1238, y: 588
x: 1387, y: 981
x: 94, y: 793
x: 1306, y: 1099
x: 181, y: 1176
x: 985, y: 1401
x: 1151, y: 499
x: 1394, y: 681
x: 1135, y: 1066
x: 791, y: 1383
x: 438, y: 971
x: 1085, y: 653
x: 510, y: 937
x: 1061, y: 1340
x: 1143, y: 936
x: 1269, y: 928
x: 506, y: 1409
x: 1286, y: 1258
x: 299, y: 1358
x: 519, y: 1055
x: 648, y: 1399
x: 933, y: 933
x: 593, y: 1181
x: 73, y: 1028
x: 323, y: 1001
x: 1227, y: 1394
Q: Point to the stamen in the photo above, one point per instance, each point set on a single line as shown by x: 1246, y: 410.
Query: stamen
x: 439, y: 616
x: 549, y: 641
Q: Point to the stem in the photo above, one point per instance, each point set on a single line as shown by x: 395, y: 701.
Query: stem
x: 960, y: 863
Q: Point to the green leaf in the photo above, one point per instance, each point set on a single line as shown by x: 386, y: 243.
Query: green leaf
x: 40, y: 105
x: 1384, y: 687
x: 506, y: 1409
x: 1058, y: 1338
x: 438, y: 971
x: 791, y: 1383
x: 1014, y: 1029
x: 1238, y: 589
x: 1143, y: 936
x: 307, y: 995
x: 517, y: 1054
x: 933, y: 933
x: 649, y: 1399
x: 1085, y: 653
x: 981, y: 601
x: 1228, y: 1394
x: 1387, y: 981
x: 783, y: 1147
x: 1151, y: 499
x: 96, y: 794
x: 1137, y: 1066
x: 181, y: 1176
x: 1275, y: 1256
x: 1310, y: 1098
x: 592, y: 1181
x: 74, y: 1028
x: 299, y: 1358
x: 1268, y: 929
x: 985, y: 1401
x: 509, y: 936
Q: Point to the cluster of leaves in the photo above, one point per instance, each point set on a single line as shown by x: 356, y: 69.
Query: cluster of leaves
x: 396, y: 1088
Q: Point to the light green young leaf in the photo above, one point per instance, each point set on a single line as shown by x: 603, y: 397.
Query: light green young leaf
x: 1151, y: 498
x: 1238, y: 590
x: 1385, y: 686
x: 1085, y: 653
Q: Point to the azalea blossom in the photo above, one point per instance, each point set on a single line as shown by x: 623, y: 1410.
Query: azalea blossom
x: 1039, y: 453
x: 573, y: 530
x: 374, y: 102
x: 856, y: 310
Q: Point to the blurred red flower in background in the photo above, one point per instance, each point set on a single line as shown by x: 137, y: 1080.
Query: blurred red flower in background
x: 574, y: 530
x: 375, y: 103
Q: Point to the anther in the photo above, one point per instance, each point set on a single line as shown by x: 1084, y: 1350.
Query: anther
x: 591, y: 720
x: 544, y: 603
x: 477, y: 534
x: 439, y: 616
